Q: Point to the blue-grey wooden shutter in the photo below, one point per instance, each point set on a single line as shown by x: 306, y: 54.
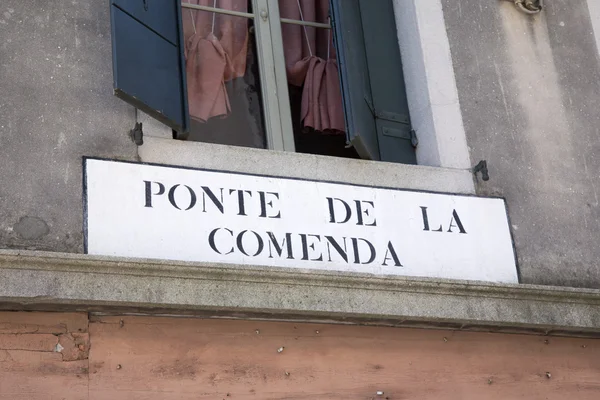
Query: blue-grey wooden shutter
x: 148, y: 59
x: 373, y: 89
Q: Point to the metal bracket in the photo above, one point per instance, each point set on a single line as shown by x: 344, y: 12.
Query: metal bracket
x: 482, y: 167
x: 264, y: 15
x: 414, y: 140
x: 529, y: 6
x: 137, y: 134
x: 401, y: 134
x: 387, y: 115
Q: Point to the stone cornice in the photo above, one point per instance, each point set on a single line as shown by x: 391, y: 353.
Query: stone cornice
x: 34, y: 279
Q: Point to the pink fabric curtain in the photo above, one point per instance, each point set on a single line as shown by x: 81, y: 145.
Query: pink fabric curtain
x: 216, y: 49
x: 311, y: 63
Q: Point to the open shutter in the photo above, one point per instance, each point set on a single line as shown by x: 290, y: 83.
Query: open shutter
x: 354, y: 77
x: 388, y: 90
x: 148, y: 59
x: 373, y: 89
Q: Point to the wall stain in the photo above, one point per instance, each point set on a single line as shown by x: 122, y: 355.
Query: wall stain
x: 31, y: 228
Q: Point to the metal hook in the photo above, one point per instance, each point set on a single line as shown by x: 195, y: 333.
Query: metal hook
x: 483, y: 168
x: 530, y: 6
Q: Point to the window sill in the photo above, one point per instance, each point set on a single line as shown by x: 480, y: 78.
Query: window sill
x: 305, y: 166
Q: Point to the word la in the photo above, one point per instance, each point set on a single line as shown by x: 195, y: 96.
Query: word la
x: 455, y: 223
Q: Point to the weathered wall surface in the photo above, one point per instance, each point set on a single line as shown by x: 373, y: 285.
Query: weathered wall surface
x: 71, y: 356
x: 56, y: 106
x: 529, y: 88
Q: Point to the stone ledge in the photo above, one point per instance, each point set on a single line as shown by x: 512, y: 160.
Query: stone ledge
x: 43, y: 280
x: 305, y: 166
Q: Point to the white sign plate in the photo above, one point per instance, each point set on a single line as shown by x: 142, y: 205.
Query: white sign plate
x: 163, y: 212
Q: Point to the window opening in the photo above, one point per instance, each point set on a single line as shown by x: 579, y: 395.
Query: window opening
x: 217, y: 33
x: 313, y: 79
x: 270, y: 77
x: 223, y: 80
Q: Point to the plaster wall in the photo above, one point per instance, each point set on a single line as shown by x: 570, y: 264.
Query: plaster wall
x: 529, y: 89
x: 56, y: 105
x: 524, y: 89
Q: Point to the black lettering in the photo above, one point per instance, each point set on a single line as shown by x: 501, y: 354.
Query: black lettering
x: 332, y: 218
x: 359, y: 217
x: 458, y: 225
x: 218, y: 203
x: 360, y: 211
x: 240, y: 243
x: 211, y: 240
x: 357, y: 252
x: 287, y: 241
x: 161, y: 191
x: 241, y: 205
x: 426, y: 220
x: 264, y: 204
x: 172, y: 197
x: 392, y: 252
x: 305, y: 246
x: 342, y: 252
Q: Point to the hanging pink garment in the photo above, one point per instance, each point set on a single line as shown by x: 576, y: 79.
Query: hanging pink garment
x: 311, y: 64
x: 321, y: 97
x: 205, y: 66
x: 215, y: 52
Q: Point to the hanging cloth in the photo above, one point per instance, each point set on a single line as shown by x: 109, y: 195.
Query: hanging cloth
x: 311, y: 64
x: 210, y: 61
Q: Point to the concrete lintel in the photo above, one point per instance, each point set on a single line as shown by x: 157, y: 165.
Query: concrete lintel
x: 38, y: 280
x: 305, y: 166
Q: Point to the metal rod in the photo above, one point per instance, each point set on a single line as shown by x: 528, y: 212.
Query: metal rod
x: 305, y: 23
x: 249, y: 15
x: 217, y: 10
